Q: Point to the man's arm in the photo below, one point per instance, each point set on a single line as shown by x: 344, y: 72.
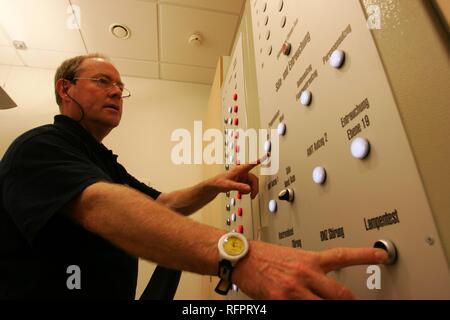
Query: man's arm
x: 190, y: 200
x: 144, y: 228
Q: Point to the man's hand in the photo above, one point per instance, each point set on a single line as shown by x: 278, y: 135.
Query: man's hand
x: 287, y: 273
x: 239, y: 179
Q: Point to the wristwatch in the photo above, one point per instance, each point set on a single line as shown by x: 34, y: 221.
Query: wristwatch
x: 232, y: 246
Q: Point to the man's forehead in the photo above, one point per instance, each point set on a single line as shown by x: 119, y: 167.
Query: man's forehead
x: 99, y: 65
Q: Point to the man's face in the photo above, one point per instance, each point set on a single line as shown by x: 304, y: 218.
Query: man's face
x: 101, y: 106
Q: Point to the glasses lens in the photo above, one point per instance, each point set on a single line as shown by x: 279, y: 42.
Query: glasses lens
x: 104, y: 83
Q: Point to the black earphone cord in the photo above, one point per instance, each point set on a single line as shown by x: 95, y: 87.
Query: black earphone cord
x: 78, y: 104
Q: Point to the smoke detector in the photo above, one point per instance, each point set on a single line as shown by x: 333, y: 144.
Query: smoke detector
x: 120, y: 31
x: 195, y: 39
x: 20, y: 45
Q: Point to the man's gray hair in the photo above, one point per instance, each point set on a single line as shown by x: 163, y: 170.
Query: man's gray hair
x: 69, y: 68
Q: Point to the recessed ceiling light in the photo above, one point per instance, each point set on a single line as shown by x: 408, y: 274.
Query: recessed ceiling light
x: 120, y: 31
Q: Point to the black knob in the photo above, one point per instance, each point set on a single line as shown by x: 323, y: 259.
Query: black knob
x: 286, y: 195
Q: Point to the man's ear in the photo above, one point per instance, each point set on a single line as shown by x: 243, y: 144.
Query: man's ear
x: 61, y: 88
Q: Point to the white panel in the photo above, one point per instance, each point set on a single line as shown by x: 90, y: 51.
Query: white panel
x: 232, y: 6
x: 46, y: 59
x: 137, y: 68
x: 187, y: 73
x: 8, y: 56
x: 178, y: 23
x: 362, y: 200
x: 139, y: 16
x: 41, y: 24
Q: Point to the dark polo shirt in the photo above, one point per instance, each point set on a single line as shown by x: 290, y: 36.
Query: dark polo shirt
x: 40, y: 246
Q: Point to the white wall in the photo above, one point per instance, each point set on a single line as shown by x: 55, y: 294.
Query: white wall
x: 142, y: 140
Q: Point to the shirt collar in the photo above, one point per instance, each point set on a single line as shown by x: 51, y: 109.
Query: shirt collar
x: 67, y: 123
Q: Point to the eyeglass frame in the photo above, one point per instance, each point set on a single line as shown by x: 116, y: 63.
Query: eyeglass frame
x: 112, y: 84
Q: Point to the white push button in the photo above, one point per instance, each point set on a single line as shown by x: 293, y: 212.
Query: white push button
x: 306, y: 98
x: 233, y: 217
x: 230, y: 121
x: 360, y: 148
x: 233, y: 202
x: 267, y: 146
x: 319, y: 175
x: 230, y: 110
x: 273, y: 206
x: 281, y: 129
x: 337, y: 59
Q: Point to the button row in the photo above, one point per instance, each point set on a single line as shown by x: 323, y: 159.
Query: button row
x: 231, y: 121
x: 233, y: 109
x: 360, y: 149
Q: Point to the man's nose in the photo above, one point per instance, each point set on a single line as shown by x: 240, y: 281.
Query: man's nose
x: 115, y: 91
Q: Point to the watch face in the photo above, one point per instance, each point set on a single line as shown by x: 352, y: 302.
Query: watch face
x: 233, y: 246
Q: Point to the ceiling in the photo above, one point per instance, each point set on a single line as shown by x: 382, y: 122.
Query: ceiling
x: 158, y: 48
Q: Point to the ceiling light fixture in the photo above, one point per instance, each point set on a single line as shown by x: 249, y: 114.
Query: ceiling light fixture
x: 120, y: 31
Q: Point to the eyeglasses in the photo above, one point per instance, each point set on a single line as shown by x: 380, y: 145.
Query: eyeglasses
x: 107, y: 84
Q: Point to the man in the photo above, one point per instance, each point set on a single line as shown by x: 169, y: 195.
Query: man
x: 66, y: 203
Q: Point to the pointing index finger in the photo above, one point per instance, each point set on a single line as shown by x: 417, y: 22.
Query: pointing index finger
x: 338, y: 258
x: 249, y: 166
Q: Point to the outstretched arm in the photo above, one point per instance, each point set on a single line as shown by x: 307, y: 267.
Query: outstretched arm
x: 190, y: 200
x: 144, y: 228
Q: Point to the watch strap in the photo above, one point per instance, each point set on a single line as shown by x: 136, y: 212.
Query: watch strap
x: 225, y: 271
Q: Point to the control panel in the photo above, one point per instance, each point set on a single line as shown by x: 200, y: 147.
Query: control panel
x: 347, y: 176
x: 238, y: 207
